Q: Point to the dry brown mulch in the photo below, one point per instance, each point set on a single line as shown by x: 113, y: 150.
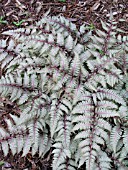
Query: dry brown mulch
x: 79, y: 12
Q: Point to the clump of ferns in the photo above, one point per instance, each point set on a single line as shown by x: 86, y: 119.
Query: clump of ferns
x: 69, y: 86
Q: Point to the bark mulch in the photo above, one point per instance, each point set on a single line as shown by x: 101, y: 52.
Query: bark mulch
x: 20, y: 13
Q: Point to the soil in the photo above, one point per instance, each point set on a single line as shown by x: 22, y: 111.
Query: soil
x: 21, y: 13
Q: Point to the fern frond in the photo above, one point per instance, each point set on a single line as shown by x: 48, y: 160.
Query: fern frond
x: 103, y: 162
x: 115, y: 137
x: 59, y: 155
x: 12, y: 138
x: 70, y: 87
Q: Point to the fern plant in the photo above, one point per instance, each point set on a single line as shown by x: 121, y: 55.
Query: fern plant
x: 70, y: 88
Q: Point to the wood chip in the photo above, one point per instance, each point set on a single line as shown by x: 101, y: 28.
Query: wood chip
x: 95, y: 6
x: 7, y: 2
x: 21, y: 6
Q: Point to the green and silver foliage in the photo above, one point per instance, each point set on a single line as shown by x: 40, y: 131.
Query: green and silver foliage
x: 71, y: 89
